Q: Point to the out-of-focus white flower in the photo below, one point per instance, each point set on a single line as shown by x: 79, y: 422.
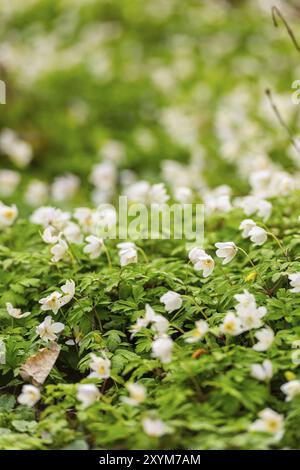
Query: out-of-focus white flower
x: 8, y: 215
x: 265, y: 338
x: 138, y: 192
x: 262, y: 372
x: 59, y: 250
x: 69, y: 290
x: 160, y: 325
x: 171, y: 300
x: 270, y: 422
x: 162, y: 348
x: 183, y: 195
x: 65, y: 187
x: 245, y: 301
x: 112, y: 150
x: 231, y: 325
x: 295, y: 282
x: 73, y: 233
x: 16, y: 312
x: 84, y: 216
x: 36, y: 193
x: 104, y: 176
x: 154, y: 427
x: 87, y: 394
x: 143, y: 322
x: 226, y: 250
x: 47, y: 215
x: 258, y: 236
x: 246, y: 226
x: 48, y: 329
x: 9, y: 181
x: 254, y: 205
x: 137, y: 394
x: 197, y: 334
x: 50, y: 236
x: 158, y: 194
x: 30, y: 395
x: 19, y: 151
x: 291, y: 389
x: 127, y: 253
x: 94, y: 246
x: 100, y: 367
x: 251, y: 318
x: 51, y: 302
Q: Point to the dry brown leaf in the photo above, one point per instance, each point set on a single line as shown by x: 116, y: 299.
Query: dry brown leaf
x: 37, y: 367
x: 199, y: 352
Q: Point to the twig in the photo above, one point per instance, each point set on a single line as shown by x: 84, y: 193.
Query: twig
x: 281, y: 120
x: 276, y: 11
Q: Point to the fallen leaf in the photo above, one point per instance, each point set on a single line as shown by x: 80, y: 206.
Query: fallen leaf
x: 199, y: 353
x: 37, y: 367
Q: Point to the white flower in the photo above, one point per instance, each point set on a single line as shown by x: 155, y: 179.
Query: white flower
x: 258, y: 236
x: 104, y: 176
x: 30, y: 395
x: 73, y: 233
x: 262, y: 372
x: 154, y: 427
x: 231, y: 325
x: 226, y: 250
x: 254, y: 205
x: 160, y: 324
x: 195, y: 253
x: 69, y: 290
x: 245, y: 301
x: 94, y: 246
x: 37, y: 193
x: 100, y: 367
x: 8, y: 215
x: 251, y: 318
x: 16, y: 312
x: 64, y: 187
x: 171, y: 300
x: 265, y: 338
x: 246, y: 225
x: 295, y: 282
x: 270, y: 422
x: 201, y: 329
x: 138, y: 192
x: 58, y: 251
x: 291, y: 389
x: 9, y: 181
x: 127, y: 253
x: 137, y: 394
x: 144, y: 322
x: 84, y: 215
x: 19, y: 151
x: 50, y: 236
x: 158, y: 194
x: 113, y: 150
x: 162, y: 348
x: 48, y: 329
x: 183, y: 194
x: 202, y: 261
x: 205, y: 264
x: 87, y: 394
x: 47, y: 215
x: 51, y: 302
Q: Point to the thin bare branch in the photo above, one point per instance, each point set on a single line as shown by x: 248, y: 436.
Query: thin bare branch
x: 276, y: 11
x: 281, y: 120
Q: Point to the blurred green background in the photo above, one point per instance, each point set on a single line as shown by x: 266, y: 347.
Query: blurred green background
x: 161, y: 79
